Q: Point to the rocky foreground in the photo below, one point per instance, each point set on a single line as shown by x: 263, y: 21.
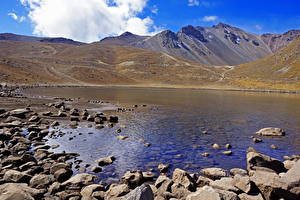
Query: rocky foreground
x: 30, y: 170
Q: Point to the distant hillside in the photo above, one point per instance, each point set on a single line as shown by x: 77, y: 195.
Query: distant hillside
x: 278, y: 71
x: 278, y: 41
x: 22, y: 38
x: 218, y: 45
x: 96, y: 64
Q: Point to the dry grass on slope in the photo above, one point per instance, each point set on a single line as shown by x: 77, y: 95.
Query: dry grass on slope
x: 278, y: 71
x: 95, y: 64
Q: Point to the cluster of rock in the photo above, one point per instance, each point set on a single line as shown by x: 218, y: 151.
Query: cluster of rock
x: 29, y: 170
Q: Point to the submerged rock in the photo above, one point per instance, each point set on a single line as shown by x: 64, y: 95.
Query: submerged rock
x: 106, y: 161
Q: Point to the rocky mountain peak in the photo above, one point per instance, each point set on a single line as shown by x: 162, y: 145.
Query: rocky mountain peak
x: 127, y: 34
x: 193, y: 32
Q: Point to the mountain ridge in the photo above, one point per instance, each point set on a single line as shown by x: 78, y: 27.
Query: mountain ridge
x: 221, y: 44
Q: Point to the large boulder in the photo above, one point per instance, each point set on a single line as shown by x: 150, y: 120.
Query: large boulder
x: 259, y: 160
x: 62, y: 175
x: 87, y: 192
x: 243, y: 183
x: 179, y: 191
x: 182, y: 177
x: 20, y: 113
x: 292, y: 179
x: 225, y: 183
x: 214, y: 173
x: 143, y: 192
x: 16, y: 161
x: 80, y: 180
x: 18, y: 191
x: 16, y: 176
x: 41, y: 181
x: 116, y: 191
x: 208, y: 193
x: 133, y: 178
x: 271, y: 186
x: 271, y: 132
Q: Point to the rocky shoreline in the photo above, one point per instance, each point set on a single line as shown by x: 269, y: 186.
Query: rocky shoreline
x: 30, y: 170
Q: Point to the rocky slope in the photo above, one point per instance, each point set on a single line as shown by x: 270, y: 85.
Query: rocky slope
x: 221, y: 44
x: 218, y: 45
x: 278, y: 41
x: 280, y: 70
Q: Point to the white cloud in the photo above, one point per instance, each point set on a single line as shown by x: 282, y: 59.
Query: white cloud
x: 16, y: 17
x: 209, y: 18
x: 193, y: 3
x: 88, y: 20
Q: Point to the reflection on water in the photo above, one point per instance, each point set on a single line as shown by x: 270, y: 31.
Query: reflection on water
x: 175, y: 127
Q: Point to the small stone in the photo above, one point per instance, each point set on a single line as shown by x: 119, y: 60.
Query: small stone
x: 205, y: 154
x: 273, y: 146
x: 106, y: 161
x: 96, y: 169
x: 163, y: 168
x: 121, y: 137
x: 216, y: 146
x: 146, y: 144
x: 227, y: 153
x: 257, y: 140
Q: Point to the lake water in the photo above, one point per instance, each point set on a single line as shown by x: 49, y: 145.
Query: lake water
x: 173, y: 123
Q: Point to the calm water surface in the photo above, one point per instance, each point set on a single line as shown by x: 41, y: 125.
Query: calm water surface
x: 174, y: 122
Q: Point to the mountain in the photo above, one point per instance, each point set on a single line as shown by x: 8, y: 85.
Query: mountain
x: 97, y: 64
x: 126, y: 39
x: 278, y: 41
x: 22, y: 38
x: 278, y: 71
x: 221, y: 44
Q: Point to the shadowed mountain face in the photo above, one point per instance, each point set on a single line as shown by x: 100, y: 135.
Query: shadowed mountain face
x: 278, y: 41
x: 221, y: 44
x: 22, y: 38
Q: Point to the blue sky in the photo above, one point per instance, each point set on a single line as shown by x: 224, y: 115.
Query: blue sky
x: 87, y: 20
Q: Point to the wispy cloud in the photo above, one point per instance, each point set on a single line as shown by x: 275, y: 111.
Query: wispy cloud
x: 258, y: 27
x: 193, y: 3
x: 209, y: 18
x: 154, y: 9
x: 14, y: 16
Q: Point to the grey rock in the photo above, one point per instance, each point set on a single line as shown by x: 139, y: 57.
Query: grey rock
x: 143, y: 192
x: 87, y: 192
x: 80, y: 180
x: 18, y: 191
x: 132, y: 178
x: 260, y: 160
x: 271, y: 132
x: 214, y: 173
x: 41, y: 181
x: 182, y: 177
x: 116, y: 191
x: 16, y: 176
